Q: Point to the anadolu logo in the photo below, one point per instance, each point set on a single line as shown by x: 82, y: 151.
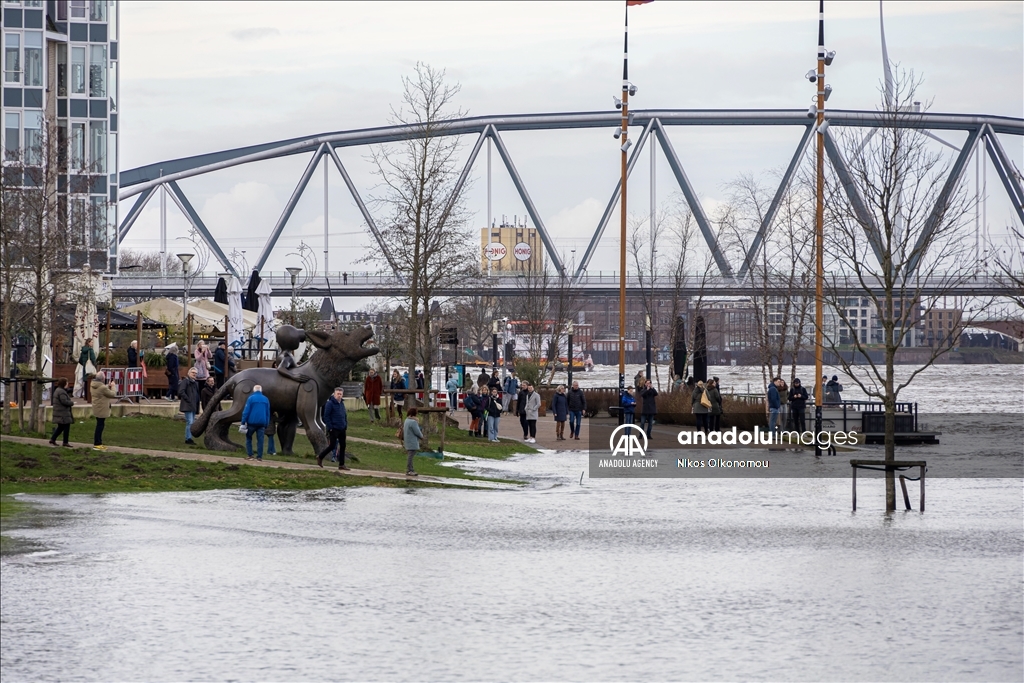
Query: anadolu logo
x: 628, y: 442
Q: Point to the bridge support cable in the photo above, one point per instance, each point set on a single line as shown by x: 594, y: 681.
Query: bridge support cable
x: 290, y: 207
x: 787, y: 178
x: 612, y: 202
x: 1011, y: 181
x: 133, y: 213
x: 186, y: 208
x: 525, y: 196
x: 860, y: 207
x: 691, y: 198
x: 938, y: 211
x: 370, y: 223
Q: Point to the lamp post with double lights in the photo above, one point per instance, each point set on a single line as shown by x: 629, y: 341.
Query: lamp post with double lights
x: 569, y: 329
x: 294, y: 272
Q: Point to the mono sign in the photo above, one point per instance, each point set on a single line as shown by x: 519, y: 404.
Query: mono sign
x: 522, y: 251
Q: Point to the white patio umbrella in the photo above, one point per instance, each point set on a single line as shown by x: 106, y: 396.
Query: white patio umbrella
x: 235, y: 320
x: 265, y: 316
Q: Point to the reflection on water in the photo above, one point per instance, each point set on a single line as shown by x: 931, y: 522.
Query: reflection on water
x: 608, y: 580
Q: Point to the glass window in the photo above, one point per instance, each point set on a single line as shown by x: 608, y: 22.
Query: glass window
x: 97, y: 222
x: 97, y: 71
x: 33, y: 137
x: 62, y: 70
x: 78, y: 9
x: 79, y: 221
x: 98, y: 10
x: 77, y: 145
x: 112, y: 155
x: 78, y: 70
x: 62, y: 145
x: 98, y: 146
x: 12, y: 135
x: 62, y: 10
x: 33, y: 3
x: 34, y: 58
x: 12, y: 58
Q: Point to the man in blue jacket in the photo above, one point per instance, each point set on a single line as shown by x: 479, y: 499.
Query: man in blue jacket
x: 336, y: 422
x: 255, y: 418
x: 774, y: 404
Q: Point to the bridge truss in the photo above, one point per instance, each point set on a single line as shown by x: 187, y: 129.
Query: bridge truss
x: 982, y: 130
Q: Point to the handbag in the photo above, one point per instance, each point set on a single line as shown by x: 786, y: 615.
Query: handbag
x: 243, y: 429
x: 704, y: 400
x: 90, y: 369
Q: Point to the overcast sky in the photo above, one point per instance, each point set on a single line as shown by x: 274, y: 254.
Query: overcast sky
x: 201, y: 77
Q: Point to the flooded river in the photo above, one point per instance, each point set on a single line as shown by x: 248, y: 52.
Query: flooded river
x: 604, y: 579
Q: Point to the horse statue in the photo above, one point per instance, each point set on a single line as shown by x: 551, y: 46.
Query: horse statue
x: 296, y: 394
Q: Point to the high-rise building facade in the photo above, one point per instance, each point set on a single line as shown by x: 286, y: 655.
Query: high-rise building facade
x: 60, y: 105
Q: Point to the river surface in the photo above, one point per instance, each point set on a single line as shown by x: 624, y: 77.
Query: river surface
x: 565, y: 580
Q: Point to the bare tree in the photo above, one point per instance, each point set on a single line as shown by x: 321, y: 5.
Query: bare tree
x: 425, y: 227
x: 905, y: 234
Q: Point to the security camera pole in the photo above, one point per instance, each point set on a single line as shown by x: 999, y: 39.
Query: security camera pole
x: 819, y: 233
x: 622, y: 215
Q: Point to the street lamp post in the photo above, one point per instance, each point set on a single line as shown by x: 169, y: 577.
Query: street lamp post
x: 569, y: 330
x: 185, y: 258
x: 294, y: 272
x: 627, y: 90
x: 494, y: 344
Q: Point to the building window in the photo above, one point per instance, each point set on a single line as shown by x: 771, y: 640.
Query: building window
x: 33, y: 137
x: 77, y: 146
x: 12, y: 58
x: 97, y: 146
x: 98, y: 10
x: 97, y: 71
x: 12, y: 135
x: 97, y: 223
x: 78, y: 9
x: 78, y: 70
x: 34, y: 58
x: 62, y: 70
x: 62, y: 10
x: 78, y: 221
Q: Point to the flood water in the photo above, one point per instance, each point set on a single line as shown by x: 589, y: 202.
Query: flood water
x: 604, y: 579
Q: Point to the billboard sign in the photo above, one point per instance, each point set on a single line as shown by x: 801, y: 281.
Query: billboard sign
x: 495, y: 251
x: 522, y: 251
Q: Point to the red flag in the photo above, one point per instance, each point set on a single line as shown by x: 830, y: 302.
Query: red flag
x: 637, y: 2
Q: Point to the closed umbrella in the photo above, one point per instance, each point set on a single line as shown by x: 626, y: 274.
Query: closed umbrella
x: 220, y: 295
x: 235, y: 320
x: 265, y: 319
x: 252, y: 299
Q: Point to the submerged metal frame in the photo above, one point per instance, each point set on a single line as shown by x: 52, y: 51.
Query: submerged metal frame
x: 145, y: 179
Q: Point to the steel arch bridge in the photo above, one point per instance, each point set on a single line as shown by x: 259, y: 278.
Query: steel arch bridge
x: 981, y: 129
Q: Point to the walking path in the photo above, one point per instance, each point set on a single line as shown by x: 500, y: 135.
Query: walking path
x: 509, y: 428
x: 279, y: 464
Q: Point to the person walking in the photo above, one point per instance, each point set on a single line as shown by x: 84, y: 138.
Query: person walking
x: 532, y: 406
x: 650, y: 407
x: 398, y: 399
x: 411, y: 437
x: 255, y: 417
x: 86, y: 367
x: 171, y: 370
x: 493, y: 414
x: 560, y: 410
x: 452, y: 387
x: 774, y: 404
x: 202, y: 365
x: 207, y: 392
x: 102, y: 395
x: 628, y: 403
x: 577, y: 403
x: 372, y: 388
x: 133, y: 354
x: 270, y: 431
x: 494, y: 382
x: 834, y: 390
x: 715, y: 394
x: 62, y: 418
x: 470, y: 403
x: 336, y: 421
x: 700, y: 411
x: 798, y: 405
x: 510, y: 389
x: 189, y: 403
x: 521, y: 409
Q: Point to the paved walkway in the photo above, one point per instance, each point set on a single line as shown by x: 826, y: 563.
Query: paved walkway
x: 509, y: 428
x: 279, y: 464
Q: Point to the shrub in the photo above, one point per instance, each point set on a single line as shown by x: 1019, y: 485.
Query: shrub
x: 528, y: 371
x: 155, y: 360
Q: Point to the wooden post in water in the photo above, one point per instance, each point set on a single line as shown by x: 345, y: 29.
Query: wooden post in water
x: 922, y: 488
x: 903, y: 485
x: 854, y: 488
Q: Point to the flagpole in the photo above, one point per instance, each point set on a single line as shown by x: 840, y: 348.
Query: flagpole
x: 819, y: 233
x: 622, y: 214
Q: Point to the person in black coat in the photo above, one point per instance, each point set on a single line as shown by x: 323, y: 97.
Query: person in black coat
x: 172, y: 372
x: 797, y: 405
x: 133, y: 354
x: 188, y: 393
x: 207, y: 392
x: 650, y: 407
x: 62, y: 418
x: 521, y: 409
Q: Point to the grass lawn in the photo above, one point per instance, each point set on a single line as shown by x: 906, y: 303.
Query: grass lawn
x: 456, y: 440
x: 44, y: 469
x: 162, y: 434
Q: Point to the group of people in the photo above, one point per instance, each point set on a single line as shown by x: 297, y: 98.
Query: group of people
x: 648, y: 409
x: 797, y: 398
